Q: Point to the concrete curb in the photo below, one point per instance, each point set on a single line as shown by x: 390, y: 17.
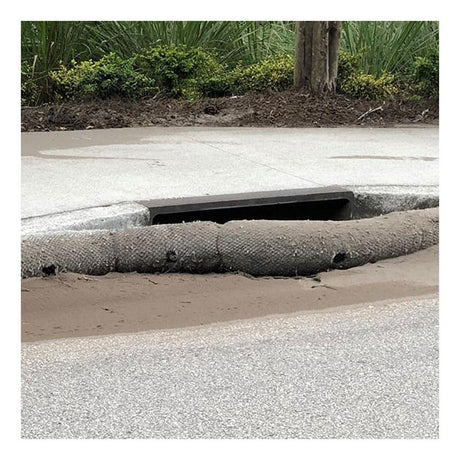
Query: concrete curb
x: 114, y: 217
x: 375, y: 201
x: 369, y: 202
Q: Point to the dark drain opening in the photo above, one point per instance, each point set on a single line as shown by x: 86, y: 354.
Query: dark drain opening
x: 325, y: 203
x: 320, y: 210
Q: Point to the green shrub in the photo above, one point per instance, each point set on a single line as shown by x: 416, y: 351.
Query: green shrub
x: 174, y: 70
x: 275, y: 72
x: 348, y: 65
x: 362, y: 86
x: 179, y: 71
x: 105, y: 78
x: 426, y: 74
x: 218, y: 85
x: 354, y: 83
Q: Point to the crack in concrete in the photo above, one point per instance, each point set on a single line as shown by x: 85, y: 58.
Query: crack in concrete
x: 255, y: 162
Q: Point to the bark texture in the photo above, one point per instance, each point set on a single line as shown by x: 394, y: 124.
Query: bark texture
x: 317, y: 53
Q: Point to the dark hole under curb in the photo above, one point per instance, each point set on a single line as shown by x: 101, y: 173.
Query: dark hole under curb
x: 49, y: 270
x: 339, y: 258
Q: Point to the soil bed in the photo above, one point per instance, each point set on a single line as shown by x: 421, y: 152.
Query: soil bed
x: 72, y: 305
x: 279, y: 109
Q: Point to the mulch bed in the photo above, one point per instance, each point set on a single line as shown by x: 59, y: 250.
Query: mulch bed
x: 280, y: 109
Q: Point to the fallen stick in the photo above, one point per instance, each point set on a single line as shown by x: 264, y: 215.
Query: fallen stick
x: 365, y: 114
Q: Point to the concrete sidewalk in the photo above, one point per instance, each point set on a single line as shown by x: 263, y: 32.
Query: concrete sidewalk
x: 68, y: 171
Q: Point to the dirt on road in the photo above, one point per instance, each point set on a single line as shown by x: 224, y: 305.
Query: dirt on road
x: 72, y: 305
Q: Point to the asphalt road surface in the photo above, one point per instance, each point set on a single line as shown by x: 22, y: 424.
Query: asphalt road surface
x: 368, y: 371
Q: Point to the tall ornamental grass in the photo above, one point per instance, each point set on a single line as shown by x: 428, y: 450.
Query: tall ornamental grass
x: 389, y: 46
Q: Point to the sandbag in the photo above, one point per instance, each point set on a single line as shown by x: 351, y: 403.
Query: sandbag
x: 257, y: 247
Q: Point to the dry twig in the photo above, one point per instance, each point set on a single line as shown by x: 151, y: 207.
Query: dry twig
x: 366, y: 114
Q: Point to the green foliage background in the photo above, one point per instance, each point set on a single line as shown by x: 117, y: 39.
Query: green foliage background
x: 70, y: 59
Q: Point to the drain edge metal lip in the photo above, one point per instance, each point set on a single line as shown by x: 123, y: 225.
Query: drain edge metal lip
x: 240, y: 200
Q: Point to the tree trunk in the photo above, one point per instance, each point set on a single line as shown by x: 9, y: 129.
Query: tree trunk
x: 317, y: 52
x: 335, y: 27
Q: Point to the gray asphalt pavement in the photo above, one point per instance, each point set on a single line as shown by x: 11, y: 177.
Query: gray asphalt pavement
x: 367, y: 371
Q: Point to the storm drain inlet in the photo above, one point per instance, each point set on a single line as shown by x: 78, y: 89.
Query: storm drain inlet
x: 324, y: 203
